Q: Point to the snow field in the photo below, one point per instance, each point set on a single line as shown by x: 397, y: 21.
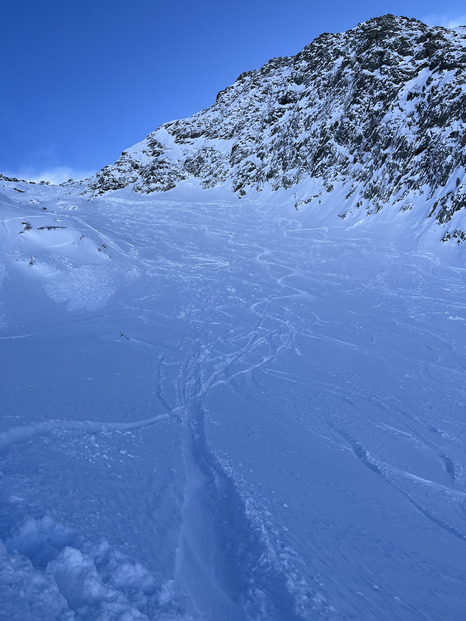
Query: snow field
x: 232, y: 410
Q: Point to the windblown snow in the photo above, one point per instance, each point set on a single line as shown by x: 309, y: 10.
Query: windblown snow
x: 228, y: 409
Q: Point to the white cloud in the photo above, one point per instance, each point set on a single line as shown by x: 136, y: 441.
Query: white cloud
x: 443, y: 19
x: 58, y: 174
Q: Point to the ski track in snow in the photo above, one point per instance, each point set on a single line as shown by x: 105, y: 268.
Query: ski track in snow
x: 307, y: 378
x: 384, y: 470
x: 23, y: 434
x: 223, y: 560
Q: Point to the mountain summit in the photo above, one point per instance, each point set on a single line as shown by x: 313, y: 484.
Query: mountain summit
x: 379, y: 111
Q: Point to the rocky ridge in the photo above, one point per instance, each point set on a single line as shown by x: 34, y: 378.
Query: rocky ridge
x: 379, y: 111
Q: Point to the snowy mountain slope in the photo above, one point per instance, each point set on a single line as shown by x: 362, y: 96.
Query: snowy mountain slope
x: 376, y: 114
x: 216, y: 408
x: 52, y: 245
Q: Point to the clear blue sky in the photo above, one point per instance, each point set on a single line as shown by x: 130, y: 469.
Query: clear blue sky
x: 81, y: 80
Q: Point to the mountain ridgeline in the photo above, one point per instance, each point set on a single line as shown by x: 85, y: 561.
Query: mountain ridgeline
x: 377, y: 114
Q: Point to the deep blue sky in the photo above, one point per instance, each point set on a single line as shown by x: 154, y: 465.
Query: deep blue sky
x: 81, y: 80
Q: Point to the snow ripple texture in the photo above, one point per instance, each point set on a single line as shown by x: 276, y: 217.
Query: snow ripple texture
x: 260, y: 418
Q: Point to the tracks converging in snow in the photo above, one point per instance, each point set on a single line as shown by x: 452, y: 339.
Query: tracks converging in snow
x: 286, y: 438
x: 225, y: 561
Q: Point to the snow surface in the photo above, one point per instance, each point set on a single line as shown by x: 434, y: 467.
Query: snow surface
x: 228, y: 409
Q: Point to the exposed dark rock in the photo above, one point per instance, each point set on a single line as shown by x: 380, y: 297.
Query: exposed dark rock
x: 380, y: 109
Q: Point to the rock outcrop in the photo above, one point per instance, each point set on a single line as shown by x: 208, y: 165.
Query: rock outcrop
x: 379, y: 111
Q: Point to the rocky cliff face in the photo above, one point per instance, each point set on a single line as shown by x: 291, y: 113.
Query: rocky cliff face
x: 378, y: 111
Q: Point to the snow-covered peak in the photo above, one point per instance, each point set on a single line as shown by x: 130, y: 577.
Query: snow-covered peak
x: 376, y: 112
